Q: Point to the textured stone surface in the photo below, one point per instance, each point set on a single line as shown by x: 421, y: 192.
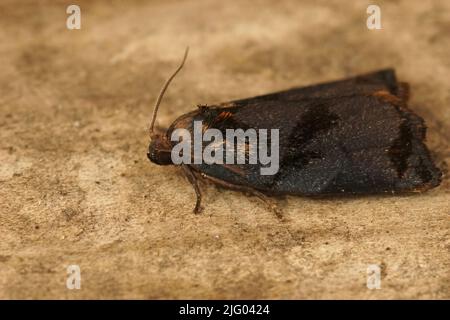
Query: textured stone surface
x: 76, y: 187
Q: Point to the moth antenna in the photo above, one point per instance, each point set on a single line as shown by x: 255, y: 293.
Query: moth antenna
x: 163, y: 90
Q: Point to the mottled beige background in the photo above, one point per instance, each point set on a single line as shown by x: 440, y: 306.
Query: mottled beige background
x: 76, y: 186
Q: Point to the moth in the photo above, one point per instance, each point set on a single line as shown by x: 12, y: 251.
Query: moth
x: 346, y: 137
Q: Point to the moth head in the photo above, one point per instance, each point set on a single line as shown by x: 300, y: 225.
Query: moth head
x: 160, y: 148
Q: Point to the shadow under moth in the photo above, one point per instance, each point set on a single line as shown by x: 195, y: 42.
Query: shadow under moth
x: 346, y: 137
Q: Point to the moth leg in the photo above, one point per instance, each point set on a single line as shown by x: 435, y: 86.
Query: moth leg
x: 269, y: 202
x: 193, y: 180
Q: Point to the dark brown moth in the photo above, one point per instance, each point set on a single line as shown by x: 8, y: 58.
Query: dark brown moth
x: 352, y: 136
